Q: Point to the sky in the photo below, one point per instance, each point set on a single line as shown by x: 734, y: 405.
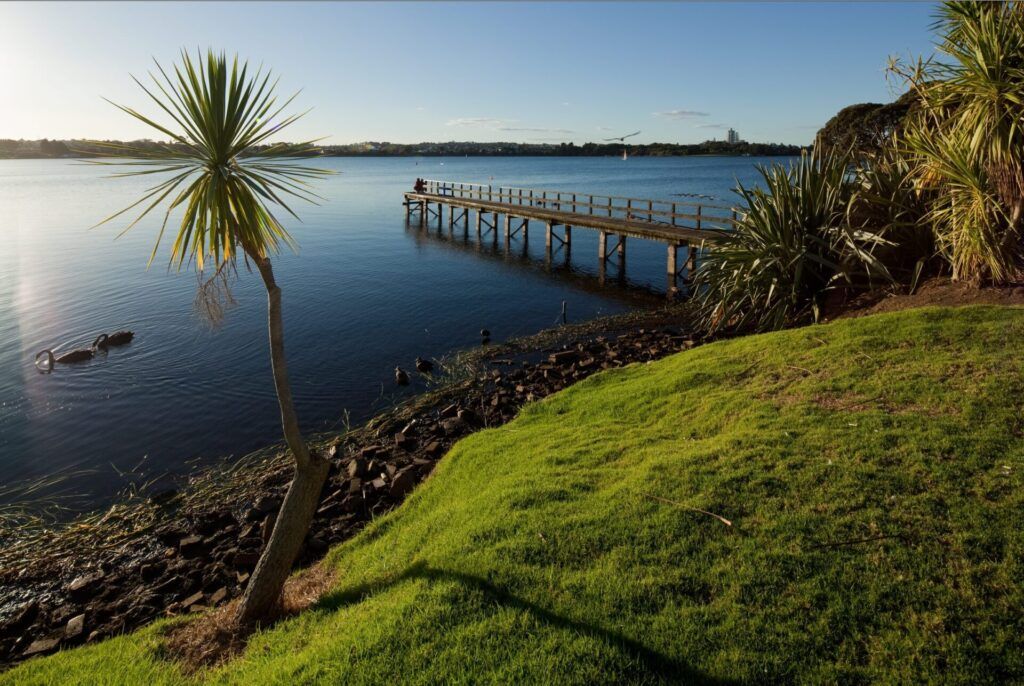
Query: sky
x: 484, y: 71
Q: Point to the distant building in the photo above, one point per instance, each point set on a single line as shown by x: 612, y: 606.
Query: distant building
x: 732, y: 136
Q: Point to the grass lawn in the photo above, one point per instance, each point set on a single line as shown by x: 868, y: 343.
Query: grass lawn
x: 872, y: 471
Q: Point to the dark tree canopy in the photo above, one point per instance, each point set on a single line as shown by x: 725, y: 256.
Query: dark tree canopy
x: 864, y: 128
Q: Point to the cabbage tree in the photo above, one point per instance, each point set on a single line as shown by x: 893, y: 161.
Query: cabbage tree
x: 222, y: 175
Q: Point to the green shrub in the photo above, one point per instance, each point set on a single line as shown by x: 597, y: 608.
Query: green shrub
x: 886, y: 203
x: 966, y: 138
x: 791, y: 244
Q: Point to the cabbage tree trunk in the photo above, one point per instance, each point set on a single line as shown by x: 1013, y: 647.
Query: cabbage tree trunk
x: 296, y: 515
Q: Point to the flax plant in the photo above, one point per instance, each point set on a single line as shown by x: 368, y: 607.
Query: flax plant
x: 227, y: 181
x: 791, y: 245
x: 967, y: 139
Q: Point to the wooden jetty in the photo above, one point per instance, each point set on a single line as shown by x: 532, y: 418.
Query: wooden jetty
x: 688, y: 225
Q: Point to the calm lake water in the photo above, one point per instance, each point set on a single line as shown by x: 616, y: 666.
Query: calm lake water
x: 365, y: 294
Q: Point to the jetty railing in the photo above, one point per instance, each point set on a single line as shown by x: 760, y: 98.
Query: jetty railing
x: 680, y: 213
x: 678, y: 224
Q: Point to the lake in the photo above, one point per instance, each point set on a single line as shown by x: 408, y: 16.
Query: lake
x: 365, y: 293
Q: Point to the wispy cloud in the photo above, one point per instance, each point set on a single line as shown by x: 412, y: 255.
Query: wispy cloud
x: 603, y: 128
x: 680, y: 114
x: 710, y: 126
x: 506, y: 125
x: 475, y: 121
x: 533, y: 129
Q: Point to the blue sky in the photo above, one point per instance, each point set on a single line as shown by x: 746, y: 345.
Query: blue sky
x: 535, y: 71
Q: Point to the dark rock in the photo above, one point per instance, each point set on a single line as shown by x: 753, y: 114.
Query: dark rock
x: 563, y: 358
x: 191, y: 546
x: 74, y: 628
x: 42, y: 645
x: 22, y: 617
x: 267, y: 504
x: 449, y: 411
x: 193, y: 599
x: 468, y: 417
x: 453, y: 427
x: 401, y: 440
x: 171, y: 584
x: 330, y: 510
x: 434, y: 448
x: 218, y: 596
x: 211, y: 522
x: 267, y: 528
x: 403, y: 482
x: 246, y: 560
x: 357, y: 467
x: 354, y: 502
x: 171, y: 533
x: 85, y: 585
x: 250, y: 543
x: 149, y: 571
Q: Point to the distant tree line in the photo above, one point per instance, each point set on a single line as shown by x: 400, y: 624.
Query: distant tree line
x: 10, y: 148
x: 506, y: 149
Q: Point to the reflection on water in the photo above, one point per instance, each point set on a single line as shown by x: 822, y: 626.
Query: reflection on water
x: 367, y: 292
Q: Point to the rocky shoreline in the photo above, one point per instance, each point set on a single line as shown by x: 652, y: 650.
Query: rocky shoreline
x: 196, y: 549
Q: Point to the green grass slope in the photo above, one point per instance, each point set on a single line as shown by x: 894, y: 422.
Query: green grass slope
x: 872, y: 471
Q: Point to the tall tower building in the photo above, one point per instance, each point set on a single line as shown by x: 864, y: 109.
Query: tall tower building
x: 732, y: 136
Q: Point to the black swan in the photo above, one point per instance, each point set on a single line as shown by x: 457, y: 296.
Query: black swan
x: 70, y: 357
x: 424, y: 366
x: 117, y: 338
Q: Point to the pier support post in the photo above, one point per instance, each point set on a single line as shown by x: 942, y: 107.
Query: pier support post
x: 622, y: 249
x: 547, y: 240
x: 691, y: 265
x: 602, y: 246
x: 423, y: 214
x: 479, y: 217
x: 673, y: 270
x: 508, y: 230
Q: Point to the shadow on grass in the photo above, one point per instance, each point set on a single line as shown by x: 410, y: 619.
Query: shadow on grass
x: 653, y: 663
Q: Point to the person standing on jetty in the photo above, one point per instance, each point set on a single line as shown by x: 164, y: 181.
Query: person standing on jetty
x: 419, y: 185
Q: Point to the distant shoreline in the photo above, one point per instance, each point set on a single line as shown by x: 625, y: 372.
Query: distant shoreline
x: 84, y: 149
x: 348, y: 155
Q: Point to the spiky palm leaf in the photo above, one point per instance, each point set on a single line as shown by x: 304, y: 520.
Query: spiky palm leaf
x: 791, y: 244
x: 967, y: 139
x: 219, y: 169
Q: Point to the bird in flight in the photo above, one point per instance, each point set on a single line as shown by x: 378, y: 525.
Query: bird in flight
x: 622, y: 138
